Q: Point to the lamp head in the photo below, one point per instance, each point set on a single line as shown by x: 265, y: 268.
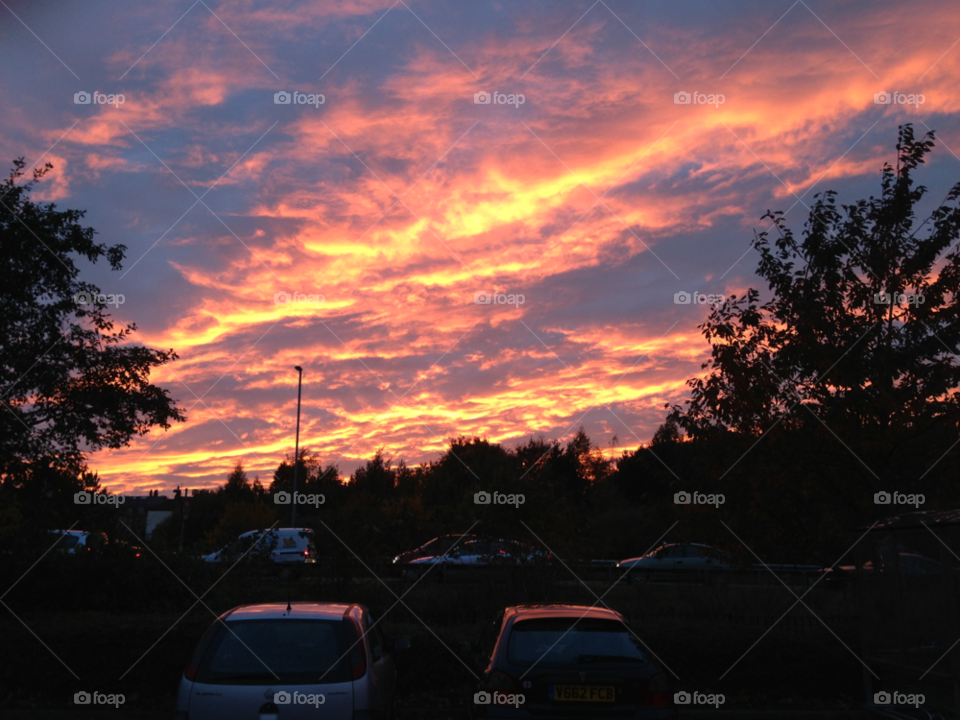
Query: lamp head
x: 298, y: 368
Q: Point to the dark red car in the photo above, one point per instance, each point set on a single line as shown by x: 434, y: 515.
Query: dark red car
x: 437, y: 546
x: 570, y: 662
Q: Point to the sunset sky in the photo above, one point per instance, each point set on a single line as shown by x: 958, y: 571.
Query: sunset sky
x: 389, y: 206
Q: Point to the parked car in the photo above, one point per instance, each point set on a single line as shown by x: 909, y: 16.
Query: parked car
x: 78, y: 541
x: 281, y: 545
x: 686, y: 557
x: 122, y: 547
x: 679, y: 557
x: 555, y: 661
x: 437, y: 546
x: 479, y: 554
x: 299, y: 660
x: 911, y: 565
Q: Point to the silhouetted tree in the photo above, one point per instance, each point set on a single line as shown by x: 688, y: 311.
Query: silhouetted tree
x: 70, y: 382
x: 376, y: 477
x: 237, y: 487
x: 849, y: 371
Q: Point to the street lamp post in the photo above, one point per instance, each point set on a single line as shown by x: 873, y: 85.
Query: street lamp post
x: 296, y: 453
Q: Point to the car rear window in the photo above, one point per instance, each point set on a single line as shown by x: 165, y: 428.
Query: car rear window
x: 571, y: 641
x: 253, y: 652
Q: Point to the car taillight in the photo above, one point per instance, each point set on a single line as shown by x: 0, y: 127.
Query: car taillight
x: 358, y: 653
x: 657, y: 693
x: 500, y: 681
x: 190, y: 673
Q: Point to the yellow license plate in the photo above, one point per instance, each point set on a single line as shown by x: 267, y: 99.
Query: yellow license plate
x: 582, y: 693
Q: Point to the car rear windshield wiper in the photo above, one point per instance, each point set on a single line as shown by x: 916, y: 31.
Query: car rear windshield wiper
x: 609, y: 658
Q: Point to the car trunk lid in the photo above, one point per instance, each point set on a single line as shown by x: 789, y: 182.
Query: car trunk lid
x: 295, y: 702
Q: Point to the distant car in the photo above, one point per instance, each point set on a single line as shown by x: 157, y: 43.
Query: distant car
x: 687, y: 557
x: 911, y: 564
x: 281, y: 545
x: 570, y: 661
x: 679, y: 557
x: 312, y: 660
x: 482, y: 553
x: 437, y: 546
x: 79, y: 541
x: 123, y: 547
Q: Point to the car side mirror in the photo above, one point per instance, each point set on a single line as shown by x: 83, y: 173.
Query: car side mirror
x: 465, y: 647
x: 401, y: 643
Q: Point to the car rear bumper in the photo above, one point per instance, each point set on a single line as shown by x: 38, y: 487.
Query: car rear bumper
x: 557, y: 713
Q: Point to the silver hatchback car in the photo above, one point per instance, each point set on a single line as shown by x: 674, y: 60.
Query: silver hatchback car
x: 303, y: 660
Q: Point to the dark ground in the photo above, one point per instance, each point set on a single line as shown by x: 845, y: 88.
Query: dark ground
x: 697, y: 631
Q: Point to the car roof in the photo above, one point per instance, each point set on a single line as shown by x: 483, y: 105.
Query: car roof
x: 527, y: 612
x: 680, y: 544
x: 251, y: 533
x: 302, y: 610
x: 443, y: 537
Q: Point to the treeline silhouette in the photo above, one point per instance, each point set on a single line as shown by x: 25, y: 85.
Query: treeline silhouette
x: 838, y: 381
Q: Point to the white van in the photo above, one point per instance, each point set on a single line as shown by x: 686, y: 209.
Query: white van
x: 281, y: 545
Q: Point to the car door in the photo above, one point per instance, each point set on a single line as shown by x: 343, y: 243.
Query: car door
x: 289, y: 547
x: 475, y: 553
x: 271, y: 545
x: 450, y: 550
x: 679, y: 559
x: 675, y: 558
x: 694, y: 558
